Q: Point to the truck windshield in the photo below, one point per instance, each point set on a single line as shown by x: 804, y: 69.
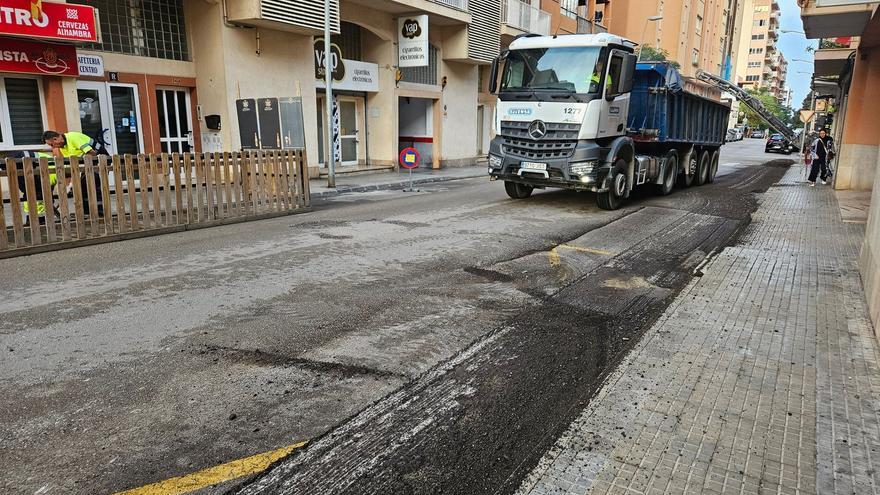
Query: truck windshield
x: 572, y: 69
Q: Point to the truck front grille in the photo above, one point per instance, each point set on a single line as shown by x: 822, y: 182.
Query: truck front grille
x: 559, y: 142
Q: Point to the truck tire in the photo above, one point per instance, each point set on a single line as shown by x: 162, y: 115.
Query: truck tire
x: 713, y: 167
x: 671, y: 173
x: 517, y: 191
x: 703, y: 168
x: 613, y: 197
x: 686, y: 179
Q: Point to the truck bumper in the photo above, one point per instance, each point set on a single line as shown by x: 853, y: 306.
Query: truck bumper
x: 583, y: 170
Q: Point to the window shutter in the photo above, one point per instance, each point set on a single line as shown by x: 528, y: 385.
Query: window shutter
x: 25, y: 112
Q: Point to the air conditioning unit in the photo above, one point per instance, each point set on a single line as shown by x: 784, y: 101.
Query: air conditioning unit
x: 298, y: 16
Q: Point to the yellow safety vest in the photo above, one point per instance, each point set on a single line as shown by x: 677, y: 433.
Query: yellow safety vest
x: 76, y: 144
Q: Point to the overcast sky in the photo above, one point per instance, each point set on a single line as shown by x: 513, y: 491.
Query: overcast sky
x: 794, y: 46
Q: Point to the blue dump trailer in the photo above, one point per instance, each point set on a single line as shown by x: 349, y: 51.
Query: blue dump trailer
x: 661, y: 111
x: 577, y: 112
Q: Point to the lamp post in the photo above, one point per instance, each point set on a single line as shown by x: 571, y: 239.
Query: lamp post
x: 652, y: 18
x: 792, y: 31
x: 330, y: 155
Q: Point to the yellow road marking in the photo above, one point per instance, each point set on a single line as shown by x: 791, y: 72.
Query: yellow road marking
x: 586, y: 250
x: 553, y: 256
x: 213, y: 475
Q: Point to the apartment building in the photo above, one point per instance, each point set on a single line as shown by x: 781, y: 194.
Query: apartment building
x: 694, y: 33
x: 758, y: 61
x: 847, y: 68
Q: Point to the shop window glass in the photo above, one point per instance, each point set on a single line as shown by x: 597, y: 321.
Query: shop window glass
x: 149, y: 28
x: 25, y: 112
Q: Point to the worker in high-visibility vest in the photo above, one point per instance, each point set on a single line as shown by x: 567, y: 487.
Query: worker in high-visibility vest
x: 75, y: 145
x: 596, y: 78
x: 38, y: 187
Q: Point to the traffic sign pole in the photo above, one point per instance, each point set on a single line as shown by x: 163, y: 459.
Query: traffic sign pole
x: 409, y: 159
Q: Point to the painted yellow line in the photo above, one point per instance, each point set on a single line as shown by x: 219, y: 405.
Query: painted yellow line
x: 213, y: 475
x: 553, y: 256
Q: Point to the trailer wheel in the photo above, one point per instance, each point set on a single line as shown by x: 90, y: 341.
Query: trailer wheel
x: 713, y: 167
x: 517, y: 191
x: 686, y: 179
x: 703, y: 169
x: 613, y: 197
x: 671, y: 172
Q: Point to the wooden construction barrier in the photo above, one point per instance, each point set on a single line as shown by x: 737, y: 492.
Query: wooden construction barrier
x: 102, y: 198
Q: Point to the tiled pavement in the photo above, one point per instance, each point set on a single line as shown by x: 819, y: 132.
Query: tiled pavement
x: 763, y: 376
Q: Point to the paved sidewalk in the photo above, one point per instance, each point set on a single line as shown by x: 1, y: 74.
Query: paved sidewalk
x: 382, y: 181
x: 763, y: 376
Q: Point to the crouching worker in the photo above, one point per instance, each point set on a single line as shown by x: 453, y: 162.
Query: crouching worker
x: 39, y: 200
x: 75, y: 145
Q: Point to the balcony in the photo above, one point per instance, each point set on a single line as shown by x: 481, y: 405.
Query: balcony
x: 831, y: 57
x: 585, y: 26
x: 827, y: 18
x: 518, y: 17
x: 461, y: 5
x: 440, y: 12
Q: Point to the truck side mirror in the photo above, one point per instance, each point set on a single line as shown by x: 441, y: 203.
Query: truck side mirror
x: 627, y: 73
x: 493, y: 76
x: 493, y: 73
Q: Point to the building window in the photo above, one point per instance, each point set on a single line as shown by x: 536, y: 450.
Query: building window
x: 757, y: 36
x: 754, y: 64
x: 21, y: 112
x: 762, y: 8
x: 755, y: 51
x: 696, y: 57
x: 699, y: 25
x: 422, y: 75
x: 753, y: 78
x: 760, y: 22
x: 148, y: 28
x: 569, y: 8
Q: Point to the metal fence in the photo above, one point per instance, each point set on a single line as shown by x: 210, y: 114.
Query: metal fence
x: 97, y: 199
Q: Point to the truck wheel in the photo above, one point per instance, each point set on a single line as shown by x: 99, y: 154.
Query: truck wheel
x: 686, y: 179
x: 613, y: 197
x: 671, y: 172
x: 517, y: 191
x: 703, y: 168
x: 713, y: 167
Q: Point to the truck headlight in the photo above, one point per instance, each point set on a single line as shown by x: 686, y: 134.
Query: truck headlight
x: 582, y: 168
x: 494, y: 161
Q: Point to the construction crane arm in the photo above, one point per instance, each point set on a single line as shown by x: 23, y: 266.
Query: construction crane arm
x: 749, y: 100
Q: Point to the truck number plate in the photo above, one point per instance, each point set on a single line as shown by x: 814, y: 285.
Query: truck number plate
x: 533, y: 166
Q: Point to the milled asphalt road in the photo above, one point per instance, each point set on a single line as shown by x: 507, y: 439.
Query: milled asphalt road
x: 133, y: 362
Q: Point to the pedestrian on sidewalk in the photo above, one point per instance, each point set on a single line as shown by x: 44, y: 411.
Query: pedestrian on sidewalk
x: 818, y: 152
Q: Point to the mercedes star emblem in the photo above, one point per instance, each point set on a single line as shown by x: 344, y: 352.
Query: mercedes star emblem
x: 537, y: 129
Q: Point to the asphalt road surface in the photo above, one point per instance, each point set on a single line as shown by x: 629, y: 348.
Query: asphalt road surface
x: 419, y: 341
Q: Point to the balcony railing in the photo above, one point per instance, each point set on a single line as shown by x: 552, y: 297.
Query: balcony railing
x: 455, y: 4
x: 585, y: 26
x: 520, y: 15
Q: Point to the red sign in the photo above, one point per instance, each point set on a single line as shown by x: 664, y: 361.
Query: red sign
x: 34, y: 57
x: 410, y: 158
x: 56, y: 21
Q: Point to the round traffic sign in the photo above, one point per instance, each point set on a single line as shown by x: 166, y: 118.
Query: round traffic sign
x: 410, y: 158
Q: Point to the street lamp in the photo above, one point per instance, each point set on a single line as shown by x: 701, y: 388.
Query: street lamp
x: 330, y: 154
x: 652, y: 18
x: 793, y: 31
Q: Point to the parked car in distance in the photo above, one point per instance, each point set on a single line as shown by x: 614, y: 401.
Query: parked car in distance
x: 778, y: 144
x: 757, y: 133
x: 739, y: 133
x: 734, y: 134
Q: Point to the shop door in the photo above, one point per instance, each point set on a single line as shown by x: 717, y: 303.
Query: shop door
x: 175, y: 120
x: 348, y: 110
x: 348, y: 130
x: 110, y: 112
